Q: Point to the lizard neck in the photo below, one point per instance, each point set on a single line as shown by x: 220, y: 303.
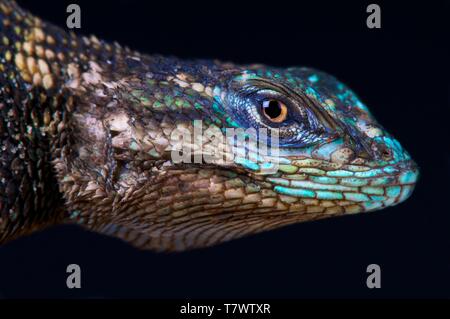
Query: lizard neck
x: 41, y: 67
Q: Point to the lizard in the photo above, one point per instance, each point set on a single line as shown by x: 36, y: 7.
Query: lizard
x: 86, y: 137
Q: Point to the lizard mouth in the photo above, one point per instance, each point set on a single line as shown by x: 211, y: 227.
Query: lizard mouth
x: 403, y: 183
x: 367, y: 188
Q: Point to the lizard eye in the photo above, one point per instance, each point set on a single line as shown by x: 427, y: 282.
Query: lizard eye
x: 260, y: 103
x: 274, y: 110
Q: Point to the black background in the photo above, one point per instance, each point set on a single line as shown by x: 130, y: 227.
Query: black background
x: 400, y: 71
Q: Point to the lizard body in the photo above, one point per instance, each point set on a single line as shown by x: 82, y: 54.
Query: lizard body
x: 87, y: 136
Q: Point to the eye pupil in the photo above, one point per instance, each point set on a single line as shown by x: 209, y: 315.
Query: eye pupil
x: 274, y: 110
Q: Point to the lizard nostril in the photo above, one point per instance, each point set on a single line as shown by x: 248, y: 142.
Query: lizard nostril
x: 386, y: 153
x: 382, y: 151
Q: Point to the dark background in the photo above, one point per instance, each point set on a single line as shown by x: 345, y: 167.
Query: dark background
x: 400, y: 71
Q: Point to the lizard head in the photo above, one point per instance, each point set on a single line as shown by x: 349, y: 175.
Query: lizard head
x: 176, y: 178
x: 334, y: 158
